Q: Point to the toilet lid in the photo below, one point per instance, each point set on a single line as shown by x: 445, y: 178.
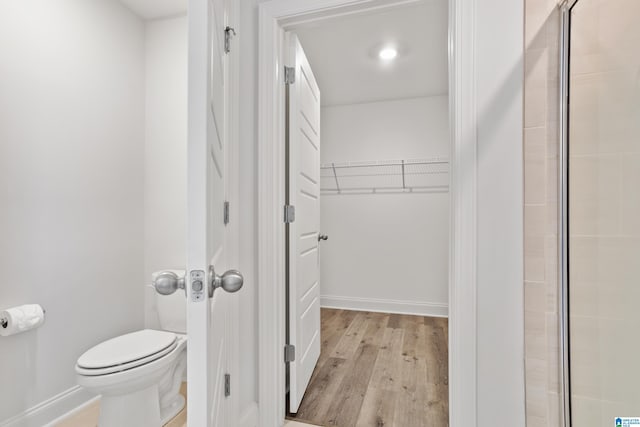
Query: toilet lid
x: 127, y: 351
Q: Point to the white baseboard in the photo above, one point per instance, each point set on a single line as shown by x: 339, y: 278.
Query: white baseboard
x: 385, y: 306
x: 249, y: 416
x: 43, y: 414
x: 53, y: 410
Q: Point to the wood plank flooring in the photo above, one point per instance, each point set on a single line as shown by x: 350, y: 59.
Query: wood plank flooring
x: 379, y: 370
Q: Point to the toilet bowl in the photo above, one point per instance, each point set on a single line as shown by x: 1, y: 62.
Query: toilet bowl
x: 138, y: 376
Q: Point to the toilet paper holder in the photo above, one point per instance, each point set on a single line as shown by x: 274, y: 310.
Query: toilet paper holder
x: 5, y: 322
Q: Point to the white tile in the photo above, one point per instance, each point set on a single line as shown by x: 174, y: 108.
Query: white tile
x: 535, y: 296
x: 551, y: 173
x: 595, y: 194
x: 612, y: 410
x: 534, y: 262
x: 619, y: 348
x: 536, y: 421
x: 537, y: 17
x: 586, y: 412
x: 554, y: 414
x: 584, y: 297
x: 551, y: 273
x: 584, y: 114
x: 586, y: 380
x: 535, y: 167
x: 630, y: 199
x: 552, y: 332
x: 584, y: 251
x: 535, y: 339
x: 606, y: 261
x: 536, y: 401
x: 553, y: 98
x: 535, y: 88
x: 583, y: 37
x: 536, y: 371
x: 534, y: 244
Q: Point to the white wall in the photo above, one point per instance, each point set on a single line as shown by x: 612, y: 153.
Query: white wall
x: 405, y: 236
x: 165, y: 179
x: 71, y: 186
x: 500, y: 302
x: 499, y: 81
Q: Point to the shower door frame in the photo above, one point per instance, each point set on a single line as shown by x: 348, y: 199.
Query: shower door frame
x: 563, y: 250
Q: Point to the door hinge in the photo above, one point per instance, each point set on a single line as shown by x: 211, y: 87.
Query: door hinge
x: 226, y: 212
x: 289, y: 214
x: 229, y: 33
x: 289, y: 75
x: 289, y: 353
x: 227, y: 385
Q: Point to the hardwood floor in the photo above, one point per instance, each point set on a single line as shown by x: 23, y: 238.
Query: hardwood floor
x: 378, y: 369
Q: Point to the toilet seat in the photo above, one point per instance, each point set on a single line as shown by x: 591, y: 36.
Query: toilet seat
x: 126, y: 352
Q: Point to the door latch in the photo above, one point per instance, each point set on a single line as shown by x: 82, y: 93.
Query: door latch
x: 197, y: 285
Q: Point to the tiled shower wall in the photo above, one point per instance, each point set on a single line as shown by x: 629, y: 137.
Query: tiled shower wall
x: 604, y: 214
x: 541, y: 146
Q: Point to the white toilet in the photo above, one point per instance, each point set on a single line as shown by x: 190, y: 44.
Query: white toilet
x: 138, y: 375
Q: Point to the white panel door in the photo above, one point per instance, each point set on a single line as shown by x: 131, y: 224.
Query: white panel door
x: 304, y: 194
x: 208, y: 241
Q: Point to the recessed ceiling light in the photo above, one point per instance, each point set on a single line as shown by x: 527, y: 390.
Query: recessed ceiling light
x: 388, y: 53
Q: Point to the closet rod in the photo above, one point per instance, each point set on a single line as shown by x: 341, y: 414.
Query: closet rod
x: 416, y: 163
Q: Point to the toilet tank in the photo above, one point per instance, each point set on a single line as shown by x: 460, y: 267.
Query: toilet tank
x: 172, y: 309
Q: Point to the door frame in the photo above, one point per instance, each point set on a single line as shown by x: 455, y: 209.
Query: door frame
x: 274, y: 17
x: 233, y: 195
x: 563, y: 211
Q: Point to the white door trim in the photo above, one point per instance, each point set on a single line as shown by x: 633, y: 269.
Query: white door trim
x: 233, y: 194
x: 274, y: 17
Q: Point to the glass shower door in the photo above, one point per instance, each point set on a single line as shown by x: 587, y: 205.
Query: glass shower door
x: 603, y: 230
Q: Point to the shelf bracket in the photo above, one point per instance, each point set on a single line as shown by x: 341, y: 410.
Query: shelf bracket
x: 335, y: 176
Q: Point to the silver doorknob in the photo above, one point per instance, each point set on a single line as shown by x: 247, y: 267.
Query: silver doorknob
x: 167, y: 282
x: 231, y: 281
x: 323, y: 237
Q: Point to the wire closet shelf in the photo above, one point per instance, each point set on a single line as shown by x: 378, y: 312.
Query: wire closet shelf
x: 385, y: 176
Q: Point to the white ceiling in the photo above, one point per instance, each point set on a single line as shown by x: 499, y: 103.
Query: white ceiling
x: 343, y: 53
x: 155, y: 9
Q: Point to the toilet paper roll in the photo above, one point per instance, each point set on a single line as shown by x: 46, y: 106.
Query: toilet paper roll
x: 20, y: 319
